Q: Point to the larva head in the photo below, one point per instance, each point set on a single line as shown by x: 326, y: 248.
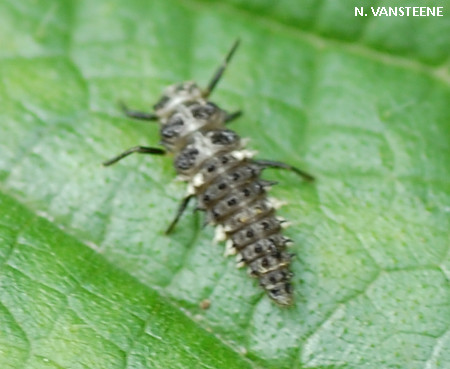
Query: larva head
x: 175, y: 95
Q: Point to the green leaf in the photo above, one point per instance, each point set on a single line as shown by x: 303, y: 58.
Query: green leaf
x: 87, y: 277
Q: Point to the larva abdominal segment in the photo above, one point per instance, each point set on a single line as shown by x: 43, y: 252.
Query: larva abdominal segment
x: 225, y: 179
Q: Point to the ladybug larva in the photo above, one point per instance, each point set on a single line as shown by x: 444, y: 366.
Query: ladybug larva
x: 224, y: 179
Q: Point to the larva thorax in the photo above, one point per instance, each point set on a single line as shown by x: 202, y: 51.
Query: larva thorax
x: 183, y: 112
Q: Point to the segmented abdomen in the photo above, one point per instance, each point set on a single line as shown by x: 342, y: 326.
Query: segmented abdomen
x: 234, y: 197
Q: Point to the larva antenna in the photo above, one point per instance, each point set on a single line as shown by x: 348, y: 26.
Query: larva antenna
x: 218, y: 75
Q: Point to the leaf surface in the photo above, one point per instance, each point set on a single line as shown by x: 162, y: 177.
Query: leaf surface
x: 87, y: 277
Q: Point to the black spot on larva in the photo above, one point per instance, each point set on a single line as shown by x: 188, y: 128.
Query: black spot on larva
x: 250, y: 234
x: 222, y: 186
x: 202, y: 112
x: 231, y: 202
x: 224, y: 137
x: 225, y: 159
x: 275, y: 291
x: 186, y: 159
x: 211, y: 168
x: 172, y: 128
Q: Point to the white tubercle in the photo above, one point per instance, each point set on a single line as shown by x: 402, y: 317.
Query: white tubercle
x: 190, y: 189
x: 284, y: 223
x: 243, y: 154
x: 288, y: 242
x: 276, y: 203
x: 239, y: 261
x: 219, y: 235
x: 198, y: 180
x: 229, y: 249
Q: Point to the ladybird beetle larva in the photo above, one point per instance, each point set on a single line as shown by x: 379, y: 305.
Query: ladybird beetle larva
x: 224, y: 178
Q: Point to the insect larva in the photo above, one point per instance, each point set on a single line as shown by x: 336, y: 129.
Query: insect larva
x: 224, y: 178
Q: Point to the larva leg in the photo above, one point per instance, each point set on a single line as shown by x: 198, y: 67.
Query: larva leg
x: 216, y: 78
x: 180, y: 212
x: 279, y: 165
x: 137, y: 114
x: 232, y: 116
x: 136, y: 149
